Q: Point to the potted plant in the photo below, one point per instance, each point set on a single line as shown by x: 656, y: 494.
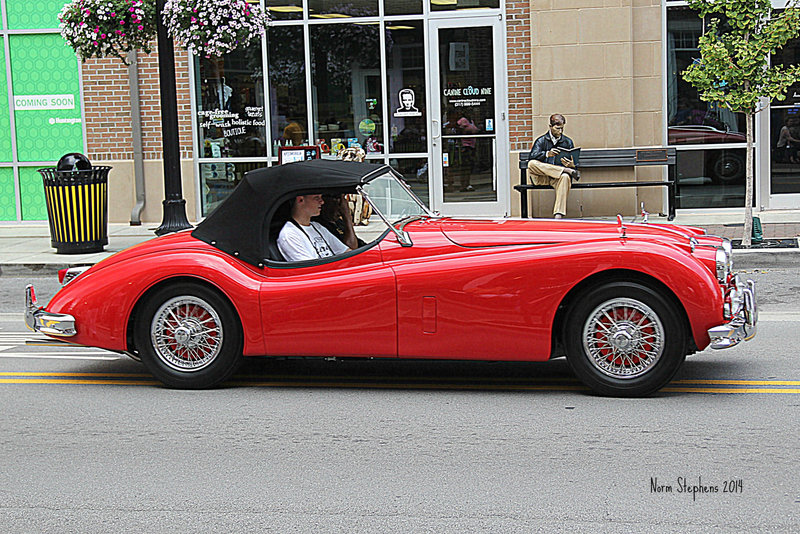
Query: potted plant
x: 101, y: 28
x: 213, y: 28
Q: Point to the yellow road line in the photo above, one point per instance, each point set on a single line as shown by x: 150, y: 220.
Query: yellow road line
x: 307, y: 378
x: 77, y: 382
x: 373, y: 385
x: 30, y: 373
x: 740, y: 382
x: 729, y: 390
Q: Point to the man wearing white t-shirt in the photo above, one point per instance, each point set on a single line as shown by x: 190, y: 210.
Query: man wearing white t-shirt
x: 303, y: 239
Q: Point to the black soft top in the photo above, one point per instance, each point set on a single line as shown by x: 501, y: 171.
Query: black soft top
x: 241, y: 224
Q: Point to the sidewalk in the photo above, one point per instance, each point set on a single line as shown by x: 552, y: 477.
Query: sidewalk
x: 25, y: 248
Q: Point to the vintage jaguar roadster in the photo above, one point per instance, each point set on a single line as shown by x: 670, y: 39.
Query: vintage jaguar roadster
x: 624, y: 302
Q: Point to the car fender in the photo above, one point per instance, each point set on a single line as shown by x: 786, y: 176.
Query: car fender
x: 684, y: 276
x: 103, y: 299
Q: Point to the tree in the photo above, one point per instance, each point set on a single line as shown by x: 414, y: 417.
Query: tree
x: 734, y: 71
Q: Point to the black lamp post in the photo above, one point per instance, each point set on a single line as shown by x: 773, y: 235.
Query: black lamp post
x: 174, y: 203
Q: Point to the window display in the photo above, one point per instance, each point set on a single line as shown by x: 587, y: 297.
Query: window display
x: 217, y: 180
x: 346, y: 72
x: 230, y: 104
x: 405, y: 83
x: 287, y: 79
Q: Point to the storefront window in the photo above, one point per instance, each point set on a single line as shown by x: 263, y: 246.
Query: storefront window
x: 405, y: 73
x: 217, y: 180
x: 785, y: 129
x: 329, y: 9
x: 346, y: 76
x: 284, y: 10
x: 287, y: 77
x: 711, y: 178
x: 230, y: 104
x: 402, y: 7
x: 692, y: 121
x: 415, y: 174
x: 450, y: 5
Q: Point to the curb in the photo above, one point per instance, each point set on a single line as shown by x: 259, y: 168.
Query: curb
x: 765, y: 258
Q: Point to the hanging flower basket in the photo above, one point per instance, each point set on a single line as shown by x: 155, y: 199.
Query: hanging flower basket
x: 213, y: 28
x: 101, y: 28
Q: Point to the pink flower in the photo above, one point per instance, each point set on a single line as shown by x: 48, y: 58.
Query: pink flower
x: 141, y: 27
x: 131, y: 10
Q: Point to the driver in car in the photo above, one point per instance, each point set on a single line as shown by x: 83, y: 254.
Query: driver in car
x: 303, y: 239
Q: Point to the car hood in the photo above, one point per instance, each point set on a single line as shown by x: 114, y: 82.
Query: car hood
x: 504, y: 232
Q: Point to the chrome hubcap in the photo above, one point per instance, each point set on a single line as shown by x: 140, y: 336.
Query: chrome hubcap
x: 624, y: 338
x: 186, y: 333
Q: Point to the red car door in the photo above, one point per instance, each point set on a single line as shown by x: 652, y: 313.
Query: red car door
x: 346, y: 307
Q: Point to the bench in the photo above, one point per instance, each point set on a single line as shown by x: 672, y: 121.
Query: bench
x: 613, y: 157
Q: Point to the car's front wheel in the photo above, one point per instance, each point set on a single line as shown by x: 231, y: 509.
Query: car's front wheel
x: 625, y: 339
x: 188, y: 336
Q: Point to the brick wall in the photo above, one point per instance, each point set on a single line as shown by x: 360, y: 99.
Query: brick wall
x: 520, y: 96
x: 108, y: 111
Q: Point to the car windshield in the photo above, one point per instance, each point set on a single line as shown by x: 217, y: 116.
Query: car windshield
x: 393, y: 199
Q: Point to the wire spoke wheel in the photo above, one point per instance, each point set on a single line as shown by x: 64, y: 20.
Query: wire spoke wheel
x: 624, y: 338
x: 187, y: 333
x: 188, y: 336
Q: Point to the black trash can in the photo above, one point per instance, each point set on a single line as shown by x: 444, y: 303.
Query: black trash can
x: 77, y: 205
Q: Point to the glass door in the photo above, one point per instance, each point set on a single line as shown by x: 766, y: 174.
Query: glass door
x: 469, y: 139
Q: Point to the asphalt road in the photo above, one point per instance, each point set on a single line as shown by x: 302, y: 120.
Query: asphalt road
x: 90, y: 443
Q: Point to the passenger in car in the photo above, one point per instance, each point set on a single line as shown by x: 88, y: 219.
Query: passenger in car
x: 334, y: 216
x: 303, y: 239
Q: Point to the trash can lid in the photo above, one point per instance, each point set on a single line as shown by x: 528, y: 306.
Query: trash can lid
x: 74, y: 161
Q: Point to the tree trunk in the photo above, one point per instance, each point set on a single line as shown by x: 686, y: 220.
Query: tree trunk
x: 748, y: 192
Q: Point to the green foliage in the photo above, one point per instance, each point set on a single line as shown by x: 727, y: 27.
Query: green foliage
x: 733, y: 68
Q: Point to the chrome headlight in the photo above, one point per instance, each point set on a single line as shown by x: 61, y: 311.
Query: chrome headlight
x: 724, y: 260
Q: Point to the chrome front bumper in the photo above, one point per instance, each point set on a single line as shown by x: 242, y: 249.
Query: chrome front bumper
x: 744, y: 316
x: 39, y: 320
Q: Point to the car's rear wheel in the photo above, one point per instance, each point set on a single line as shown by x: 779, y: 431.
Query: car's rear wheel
x: 625, y: 339
x: 188, y: 336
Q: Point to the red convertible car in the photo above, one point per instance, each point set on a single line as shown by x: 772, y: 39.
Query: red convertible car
x: 625, y: 303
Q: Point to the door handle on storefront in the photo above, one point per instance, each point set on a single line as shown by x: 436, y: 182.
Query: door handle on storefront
x: 436, y: 132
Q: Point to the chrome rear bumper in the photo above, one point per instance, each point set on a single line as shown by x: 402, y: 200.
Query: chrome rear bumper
x: 744, y: 316
x: 39, y: 320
